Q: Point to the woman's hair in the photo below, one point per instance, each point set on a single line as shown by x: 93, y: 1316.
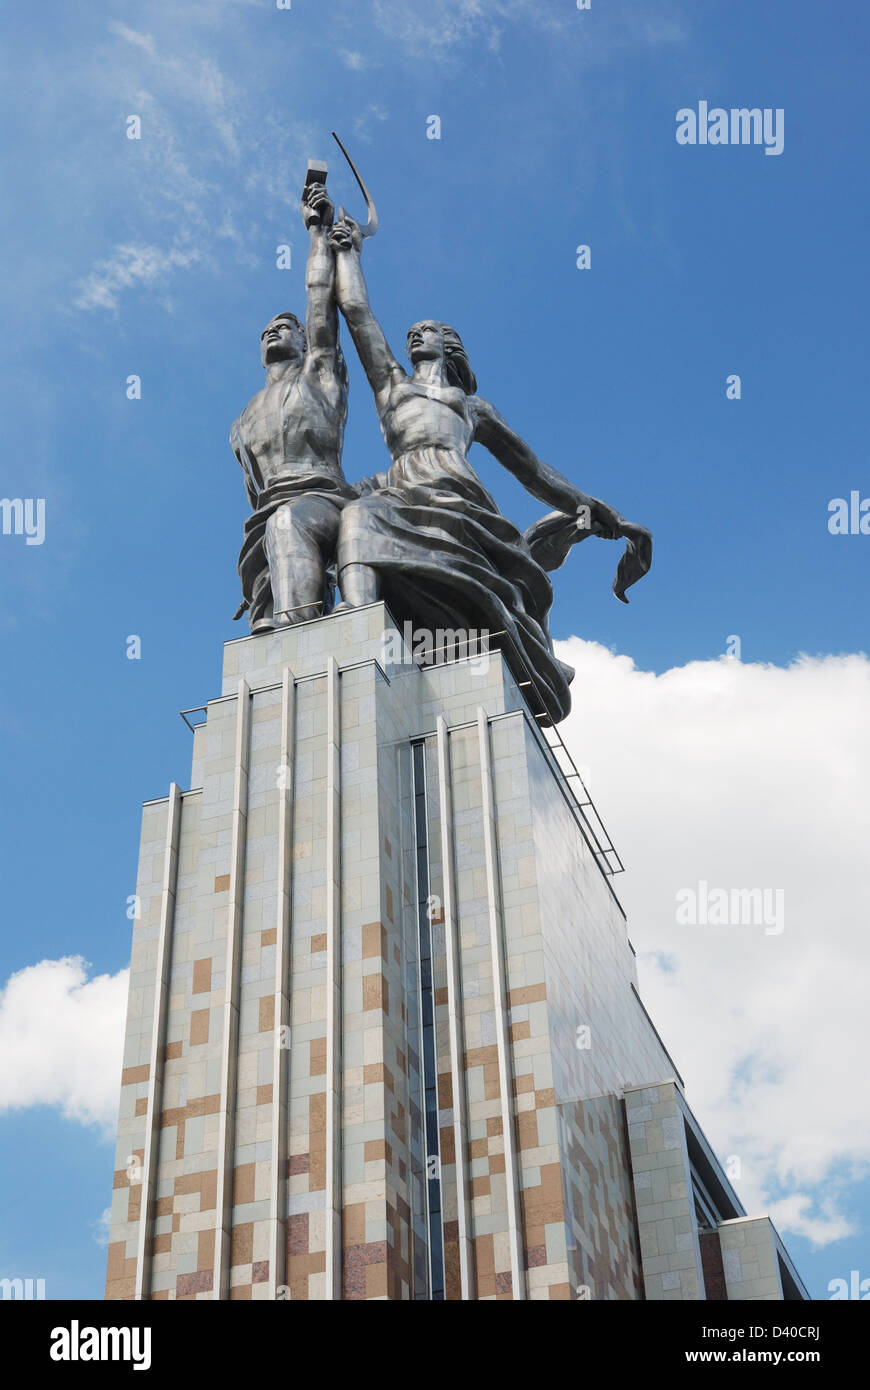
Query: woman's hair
x: 456, y: 363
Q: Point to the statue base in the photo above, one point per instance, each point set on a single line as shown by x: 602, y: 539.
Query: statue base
x: 383, y: 1038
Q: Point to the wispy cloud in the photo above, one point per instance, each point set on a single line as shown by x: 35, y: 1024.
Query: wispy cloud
x: 201, y: 132
x: 131, y: 266
x: 101, y: 1228
x: 363, y: 124
x: 144, y: 41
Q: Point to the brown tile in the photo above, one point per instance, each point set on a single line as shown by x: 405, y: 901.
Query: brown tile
x: 264, y: 1094
x: 318, y: 943
x: 199, y: 1027
x: 560, y: 1291
x: 448, y: 1146
x: 527, y: 1130
x: 491, y: 1081
x: 243, y: 1243
x: 376, y: 993
x: 481, y: 1056
x: 270, y: 937
x: 118, y: 1266
x: 205, y: 1250
x: 353, y: 1224
x: 243, y: 1189
x: 317, y: 1057
x: 222, y: 883
x: 131, y: 1076
x: 172, y: 1051
x: 201, y: 1282
x: 298, y: 1163
x: 267, y: 1013
x: 518, y: 1031
x: 141, y: 1106
x: 526, y: 994
x: 203, y: 1183
x: 297, y: 1234
x: 494, y: 1126
x: 376, y: 1275
x: 202, y: 976
x: 374, y: 941
x: 376, y: 1072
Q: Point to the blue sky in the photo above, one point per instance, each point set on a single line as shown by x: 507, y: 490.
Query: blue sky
x: 158, y: 257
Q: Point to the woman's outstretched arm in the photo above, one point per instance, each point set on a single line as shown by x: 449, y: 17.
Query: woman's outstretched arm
x: 374, y: 352
x: 542, y: 481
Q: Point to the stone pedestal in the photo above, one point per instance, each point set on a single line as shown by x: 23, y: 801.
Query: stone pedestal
x: 382, y: 1006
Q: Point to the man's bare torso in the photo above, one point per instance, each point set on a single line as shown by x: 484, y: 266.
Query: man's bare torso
x: 292, y: 428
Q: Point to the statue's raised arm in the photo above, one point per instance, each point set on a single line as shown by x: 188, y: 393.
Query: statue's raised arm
x: 375, y: 354
x: 321, y: 311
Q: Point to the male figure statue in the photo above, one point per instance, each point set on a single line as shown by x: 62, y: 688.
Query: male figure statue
x: 288, y: 440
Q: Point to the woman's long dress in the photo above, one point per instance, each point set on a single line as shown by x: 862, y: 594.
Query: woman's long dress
x: 448, y: 559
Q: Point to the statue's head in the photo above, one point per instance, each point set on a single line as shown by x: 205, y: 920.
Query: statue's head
x: 282, y: 340
x: 431, y: 340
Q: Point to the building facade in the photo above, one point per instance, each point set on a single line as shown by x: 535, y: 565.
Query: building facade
x: 384, y: 1038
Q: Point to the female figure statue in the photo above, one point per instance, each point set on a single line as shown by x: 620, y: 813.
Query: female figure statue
x: 428, y: 538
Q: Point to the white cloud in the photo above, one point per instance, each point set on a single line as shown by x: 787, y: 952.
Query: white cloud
x: 361, y: 125
x: 144, y: 41
x: 434, y: 28
x: 355, y: 61
x: 747, y: 776
x: 202, y: 133
x: 129, y: 266
x: 101, y: 1228
x: 61, y: 1040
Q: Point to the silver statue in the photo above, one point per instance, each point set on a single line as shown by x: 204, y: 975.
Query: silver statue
x: 425, y: 535
x: 428, y: 537
x: 288, y: 440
